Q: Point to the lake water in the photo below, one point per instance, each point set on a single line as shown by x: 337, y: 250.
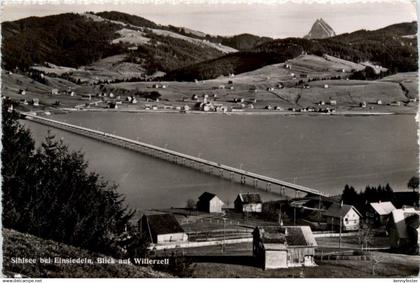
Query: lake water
x: 321, y: 152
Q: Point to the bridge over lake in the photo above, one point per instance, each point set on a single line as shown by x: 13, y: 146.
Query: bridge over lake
x: 244, y: 177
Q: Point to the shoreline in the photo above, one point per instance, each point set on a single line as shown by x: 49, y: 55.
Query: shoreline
x: 282, y: 113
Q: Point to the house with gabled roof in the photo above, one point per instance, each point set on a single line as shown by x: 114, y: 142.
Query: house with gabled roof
x: 248, y: 202
x: 378, y: 212
x: 344, y: 215
x: 210, y: 203
x: 284, y: 246
x: 163, y: 228
x: 403, y: 229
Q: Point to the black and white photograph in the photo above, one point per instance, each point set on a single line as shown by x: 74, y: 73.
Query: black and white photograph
x: 210, y: 139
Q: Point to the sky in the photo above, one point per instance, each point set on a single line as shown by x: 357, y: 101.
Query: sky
x: 278, y: 20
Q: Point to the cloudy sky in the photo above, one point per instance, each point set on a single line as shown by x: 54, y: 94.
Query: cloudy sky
x: 275, y: 20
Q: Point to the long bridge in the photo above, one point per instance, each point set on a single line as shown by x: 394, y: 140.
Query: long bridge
x: 234, y: 174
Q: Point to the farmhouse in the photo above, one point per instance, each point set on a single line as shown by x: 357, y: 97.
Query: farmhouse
x: 248, y: 203
x: 284, y: 246
x: 342, y: 214
x: 209, y: 202
x: 163, y: 228
x: 403, y: 228
x: 379, y: 212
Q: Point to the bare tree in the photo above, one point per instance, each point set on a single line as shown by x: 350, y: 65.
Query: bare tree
x: 376, y: 259
x: 365, y: 236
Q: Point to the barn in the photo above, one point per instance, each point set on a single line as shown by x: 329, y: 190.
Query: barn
x: 378, y: 212
x: 210, y: 203
x: 248, y: 203
x: 284, y: 246
x: 163, y: 228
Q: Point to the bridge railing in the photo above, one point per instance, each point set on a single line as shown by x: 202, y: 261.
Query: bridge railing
x: 198, y: 160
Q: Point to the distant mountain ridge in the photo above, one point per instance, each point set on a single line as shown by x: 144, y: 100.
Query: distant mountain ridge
x: 75, y: 40
x: 320, y: 29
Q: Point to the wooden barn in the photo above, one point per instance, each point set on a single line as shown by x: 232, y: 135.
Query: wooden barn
x: 163, y: 228
x: 284, y: 246
x: 378, y: 213
x: 342, y: 214
x: 210, y: 203
x: 248, y: 203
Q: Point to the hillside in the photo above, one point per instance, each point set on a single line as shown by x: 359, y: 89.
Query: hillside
x: 16, y: 244
x: 65, y: 39
x: 389, y: 47
x: 75, y: 40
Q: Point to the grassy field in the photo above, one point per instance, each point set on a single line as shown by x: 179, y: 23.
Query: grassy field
x: 390, y: 265
x: 16, y: 244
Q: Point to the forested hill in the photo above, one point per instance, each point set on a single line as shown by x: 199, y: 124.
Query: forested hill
x: 65, y: 39
x: 394, y: 47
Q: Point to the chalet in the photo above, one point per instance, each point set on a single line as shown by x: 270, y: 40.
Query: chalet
x: 378, y: 212
x: 403, y: 229
x: 344, y: 215
x: 248, y: 203
x: 22, y: 92
x: 163, y: 228
x: 333, y: 102
x: 210, y: 203
x: 54, y: 91
x: 379, y: 102
x: 284, y: 246
x: 325, y: 86
x: 363, y: 104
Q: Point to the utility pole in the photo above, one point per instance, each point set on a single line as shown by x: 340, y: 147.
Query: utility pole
x: 339, y: 240
x: 294, y: 216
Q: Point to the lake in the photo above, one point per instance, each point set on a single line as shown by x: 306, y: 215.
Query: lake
x: 321, y: 152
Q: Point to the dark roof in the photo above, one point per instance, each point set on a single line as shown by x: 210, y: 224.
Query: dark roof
x: 206, y: 197
x: 250, y: 198
x: 337, y: 210
x: 289, y: 235
x: 163, y: 224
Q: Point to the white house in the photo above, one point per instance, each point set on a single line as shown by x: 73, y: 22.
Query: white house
x: 209, y: 202
x: 248, y: 203
x: 348, y: 215
x: 163, y: 228
x: 284, y: 246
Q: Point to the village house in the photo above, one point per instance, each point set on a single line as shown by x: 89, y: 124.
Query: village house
x: 248, y: 202
x: 163, y: 228
x: 210, y: 203
x: 284, y: 246
x: 344, y: 215
x: 378, y: 212
x: 403, y: 229
x: 54, y: 91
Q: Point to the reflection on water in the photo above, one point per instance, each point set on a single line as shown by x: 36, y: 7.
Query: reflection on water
x: 319, y: 152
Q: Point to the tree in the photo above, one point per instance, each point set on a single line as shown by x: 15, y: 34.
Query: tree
x: 413, y: 183
x: 49, y: 193
x: 350, y: 196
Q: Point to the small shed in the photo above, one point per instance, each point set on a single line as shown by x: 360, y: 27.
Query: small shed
x: 163, y: 228
x: 248, y: 203
x: 378, y: 212
x: 343, y: 214
x: 284, y: 246
x: 210, y: 203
